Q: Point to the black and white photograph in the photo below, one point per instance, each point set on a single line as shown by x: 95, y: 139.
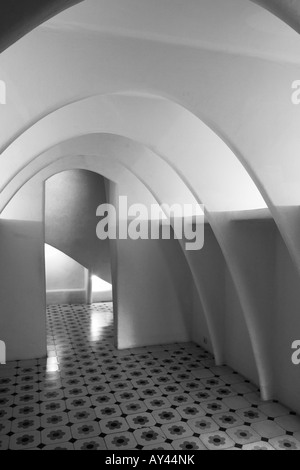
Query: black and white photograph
x: 149, y: 227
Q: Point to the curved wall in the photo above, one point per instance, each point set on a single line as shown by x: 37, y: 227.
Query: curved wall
x: 72, y: 198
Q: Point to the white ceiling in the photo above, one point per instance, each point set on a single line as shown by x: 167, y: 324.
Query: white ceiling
x: 237, y: 26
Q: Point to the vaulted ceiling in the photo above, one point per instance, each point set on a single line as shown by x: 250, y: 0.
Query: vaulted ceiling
x: 287, y: 10
x: 18, y: 18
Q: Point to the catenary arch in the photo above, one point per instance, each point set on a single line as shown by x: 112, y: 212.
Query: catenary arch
x: 91, y: 121
x: 244, y: 99
x: 276, y: 198
x: 228, y: 196
x: 129, y: 184
x: 249, y: 107
x: 124, y: 157
x: 166, y: 127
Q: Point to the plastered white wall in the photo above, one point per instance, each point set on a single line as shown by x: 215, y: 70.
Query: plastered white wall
x: 72, y: 198
x: 22, y: 272
x: 286, y: 329
x: 152, y: 287
x: 62, y: 272
x: 65, y: 278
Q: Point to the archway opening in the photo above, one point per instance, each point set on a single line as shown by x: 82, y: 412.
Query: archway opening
x: 77, y: 264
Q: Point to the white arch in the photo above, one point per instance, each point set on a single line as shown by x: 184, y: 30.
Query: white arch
x: 257, y: 341
x: 117, y: 165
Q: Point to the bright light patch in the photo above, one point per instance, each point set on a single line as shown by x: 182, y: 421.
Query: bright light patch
x: 99, y: 285
x: 52, y: 365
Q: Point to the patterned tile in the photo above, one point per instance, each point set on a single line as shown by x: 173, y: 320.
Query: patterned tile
x: 50, y: 395
x: 85, y: 430
x: 26, y: 398
x: 285, y: 443
x: 236, y: 403
x: 26, y: 411
x: 214, y: 407
x: 108, y: 411
x: 89, y: 396
x: 150, y: 392
x: 243, y: 387
x: 149, y: 436
x: 202, y: 396
x: 62, y: 446
x: 27, y: 388
x: 124, y: 397
x: 177, y: 430
x: 4, y: 441
x: 133, y: 407
x: 96, y: 443
x: 258, y: 446
x: 166, y: 415
x: 297, y: 436
x: 273, y: 410
x: 212, y: 382
x: 113, y: 425
x: 191, y: 411
x: 227, y: 420
x: 203, y: 425
x: 223, y: 392
x: 54, y: 419
x: 25, y: 440
x: 5, y: 413
x: 160, y: 403
x: 254, y: 398
x: 141, y: 420
x: 201, y: 373
x: 289, y: 423
x: 55, y: 435
x: 251, y: 415
x: 6, y: 401
x: 120, y: 441
x: 102, y: 398
x: 77, y: 391
x: 268, y: 429
x: 79, y: 402
x: 181, y: 399
x: 25, y: 424
x: 5, y: 427
x: 171, y: 389
x: 163, y: 446
x: 188, y: 444
x: 243, y: 435
x: 53, y: 406
x: 217, y: 441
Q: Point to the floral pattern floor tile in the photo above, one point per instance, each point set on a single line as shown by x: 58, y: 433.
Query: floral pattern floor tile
x: 87, y: 395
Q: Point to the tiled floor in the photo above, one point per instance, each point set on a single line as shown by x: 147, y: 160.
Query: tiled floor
x: 88, y: 395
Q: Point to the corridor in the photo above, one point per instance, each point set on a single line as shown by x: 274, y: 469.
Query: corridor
x: 90, y: 396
